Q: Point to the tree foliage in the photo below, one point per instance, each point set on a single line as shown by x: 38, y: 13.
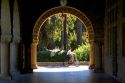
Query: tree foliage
x: 51, y: 36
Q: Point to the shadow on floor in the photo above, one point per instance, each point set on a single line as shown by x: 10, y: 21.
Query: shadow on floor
x: 60, y: 74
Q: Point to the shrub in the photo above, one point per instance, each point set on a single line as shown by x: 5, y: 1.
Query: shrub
x: 82, y: 52
x: 55, y: 55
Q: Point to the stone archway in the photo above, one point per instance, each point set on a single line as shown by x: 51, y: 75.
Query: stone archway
x: 55, y: 10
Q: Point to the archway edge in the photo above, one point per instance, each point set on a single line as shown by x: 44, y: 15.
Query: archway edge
x: 63, y: 9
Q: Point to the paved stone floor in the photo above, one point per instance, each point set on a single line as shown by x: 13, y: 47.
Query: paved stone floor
x: 58, y: 74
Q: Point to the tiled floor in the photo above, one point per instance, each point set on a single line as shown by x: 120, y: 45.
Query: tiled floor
x: 62, y: 75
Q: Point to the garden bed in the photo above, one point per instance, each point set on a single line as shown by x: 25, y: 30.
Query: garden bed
x: 58, y: 63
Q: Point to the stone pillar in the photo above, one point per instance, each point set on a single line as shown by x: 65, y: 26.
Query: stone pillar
x: 92, y: 56
x: 15, y: 40
x: 5, y: 60
x: 5, y: 37
x: 98, y: 55
x: 34, y: 54
x: 13, y: 58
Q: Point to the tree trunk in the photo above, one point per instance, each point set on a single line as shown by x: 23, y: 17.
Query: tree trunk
x: 65, y: 32
x: 78, y: 30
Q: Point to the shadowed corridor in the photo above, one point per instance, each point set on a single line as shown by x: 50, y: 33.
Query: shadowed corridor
x: 59, y: 74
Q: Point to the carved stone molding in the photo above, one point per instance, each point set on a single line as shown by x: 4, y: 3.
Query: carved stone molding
x: 63, y: 9
x: 63, y: 2
x: 35, y: 42
x: 16, y: 39
x: 5, y: 38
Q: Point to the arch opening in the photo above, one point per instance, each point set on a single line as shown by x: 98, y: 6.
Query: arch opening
x: 61, y: 9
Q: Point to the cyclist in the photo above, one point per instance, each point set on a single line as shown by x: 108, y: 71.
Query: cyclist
x: 69, y: 54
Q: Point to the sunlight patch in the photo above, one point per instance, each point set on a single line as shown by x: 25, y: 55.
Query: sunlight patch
x: 60, y: 69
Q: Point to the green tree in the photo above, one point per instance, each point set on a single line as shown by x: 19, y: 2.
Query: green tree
x: 51, y: 34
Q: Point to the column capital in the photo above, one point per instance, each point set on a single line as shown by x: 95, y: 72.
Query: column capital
x: 6, y: 38
x: 16, y: 39
x: 35, y: 41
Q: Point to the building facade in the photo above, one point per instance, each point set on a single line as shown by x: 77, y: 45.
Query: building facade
x: 22, y: 19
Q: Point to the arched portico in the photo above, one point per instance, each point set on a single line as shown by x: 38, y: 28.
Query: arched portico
x: 56, y: 10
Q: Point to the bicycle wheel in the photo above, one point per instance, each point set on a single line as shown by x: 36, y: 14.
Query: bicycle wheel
x: 76, y: 62
x: 66, y: 63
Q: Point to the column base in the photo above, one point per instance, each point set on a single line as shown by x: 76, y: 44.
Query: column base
x: 14, y: 75
x: 27, y: 70
x: 99, y: 70
x: 34, y: 66
x: 3, y: 77
x: 91, y: 66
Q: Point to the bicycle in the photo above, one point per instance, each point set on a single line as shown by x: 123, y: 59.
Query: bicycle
x: 71, y: 61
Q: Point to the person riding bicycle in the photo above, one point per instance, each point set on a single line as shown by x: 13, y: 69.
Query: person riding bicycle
x: 71, y: 59
x: 69, y: 54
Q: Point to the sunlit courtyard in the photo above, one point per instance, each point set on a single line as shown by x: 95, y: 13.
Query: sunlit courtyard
x: 60, y: 68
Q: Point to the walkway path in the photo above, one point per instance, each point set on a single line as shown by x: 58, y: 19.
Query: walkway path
x: 58, y: 74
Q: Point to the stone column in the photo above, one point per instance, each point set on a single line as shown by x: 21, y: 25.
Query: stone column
x: 5, y: 60
x: 14, y: 58
x: 15, y: 40
x: 5, y: 37
x: 92, y: 56
x: 97, y: 56
x: 34, y: 54
x: 99, y: 65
